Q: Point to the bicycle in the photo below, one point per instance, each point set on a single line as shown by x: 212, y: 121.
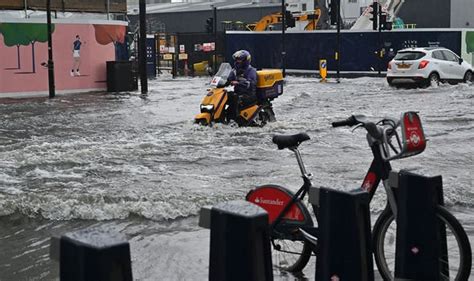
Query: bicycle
x: 293, y: 234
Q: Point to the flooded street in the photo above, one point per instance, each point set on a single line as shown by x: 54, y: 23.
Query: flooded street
x: 138, y: 165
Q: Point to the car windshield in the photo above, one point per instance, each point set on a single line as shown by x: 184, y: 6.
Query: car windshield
x: 409, y: 55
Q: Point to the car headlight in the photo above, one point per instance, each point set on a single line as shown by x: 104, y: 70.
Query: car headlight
x: 207, y: 108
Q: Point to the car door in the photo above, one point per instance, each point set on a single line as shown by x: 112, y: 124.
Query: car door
x: 441, y: 65
x: 456, y: 71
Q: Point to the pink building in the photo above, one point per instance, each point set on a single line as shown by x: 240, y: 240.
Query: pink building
x: 24, y: 53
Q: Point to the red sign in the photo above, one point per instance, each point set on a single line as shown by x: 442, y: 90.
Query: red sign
x: 415, y: 141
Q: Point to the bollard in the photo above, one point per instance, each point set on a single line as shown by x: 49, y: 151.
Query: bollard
x: 344, y: 243
x: 418, y: 242
x: 93, y: 255
x: 240, y: 242
x: 323, y: 69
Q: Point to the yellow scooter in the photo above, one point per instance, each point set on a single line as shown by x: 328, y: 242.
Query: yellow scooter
x: 214, y: 106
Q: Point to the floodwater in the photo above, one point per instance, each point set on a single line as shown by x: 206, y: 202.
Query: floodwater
x: 138, y: 165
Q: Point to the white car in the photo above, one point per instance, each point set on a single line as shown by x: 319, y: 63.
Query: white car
x: 428, y: 66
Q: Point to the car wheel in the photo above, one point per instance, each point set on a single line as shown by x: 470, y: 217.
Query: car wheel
x: 390, y: 83
x: 468, y: 77
x: 433, y: 80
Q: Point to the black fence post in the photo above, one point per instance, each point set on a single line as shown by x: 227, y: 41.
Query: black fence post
x: 91, y: 255
x: 344, y: 243
x: 240, y: 243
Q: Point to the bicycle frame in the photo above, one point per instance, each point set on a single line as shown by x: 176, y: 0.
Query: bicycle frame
x: 379, y: 170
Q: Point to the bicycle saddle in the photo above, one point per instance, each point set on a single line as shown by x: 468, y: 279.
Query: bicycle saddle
x: 290, y: 141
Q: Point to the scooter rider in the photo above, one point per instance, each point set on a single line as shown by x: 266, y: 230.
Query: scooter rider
x: 244, y: 79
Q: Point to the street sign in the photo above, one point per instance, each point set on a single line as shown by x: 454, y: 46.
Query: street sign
x: 206, y: 47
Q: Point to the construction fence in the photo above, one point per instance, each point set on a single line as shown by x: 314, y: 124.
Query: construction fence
x: 189, y: 54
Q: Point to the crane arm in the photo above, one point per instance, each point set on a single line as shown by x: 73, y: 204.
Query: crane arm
x: 264, y: 22
x: 312, y: 19
x: 268, y: 20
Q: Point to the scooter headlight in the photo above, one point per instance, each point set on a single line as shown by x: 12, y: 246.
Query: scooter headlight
x: 207, y: 108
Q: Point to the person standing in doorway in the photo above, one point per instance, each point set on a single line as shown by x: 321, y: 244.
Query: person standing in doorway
x: 76, y: 56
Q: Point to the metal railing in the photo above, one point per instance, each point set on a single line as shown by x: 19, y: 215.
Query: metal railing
x: 404, y: 26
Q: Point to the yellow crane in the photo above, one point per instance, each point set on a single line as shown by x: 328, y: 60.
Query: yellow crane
x: 263, y: 24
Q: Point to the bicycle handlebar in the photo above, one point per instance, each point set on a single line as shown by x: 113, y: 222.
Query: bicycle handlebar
x: 351, y: 121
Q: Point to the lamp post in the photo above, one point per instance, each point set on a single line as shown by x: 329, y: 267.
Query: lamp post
x: 50, y: 52
x: 283, y: 27
x: 338, y: 48
x: 379, y: 52
x: 142, y: 48
x: 214, y: 66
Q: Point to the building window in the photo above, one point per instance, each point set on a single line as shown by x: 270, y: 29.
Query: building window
x: 352, y: 1
x: 303, y: 7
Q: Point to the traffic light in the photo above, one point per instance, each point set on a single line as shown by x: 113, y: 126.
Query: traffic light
x: 333, y: 9
x: 375, y: 15
x: 384, y: 24
x: 382, y: 21
x: 289, y: 19
x: 210, y: 25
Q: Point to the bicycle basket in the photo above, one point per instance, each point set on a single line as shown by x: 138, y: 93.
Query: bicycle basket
x: 413, y: 138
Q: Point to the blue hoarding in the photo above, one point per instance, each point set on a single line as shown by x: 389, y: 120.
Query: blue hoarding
x: 358, y: 49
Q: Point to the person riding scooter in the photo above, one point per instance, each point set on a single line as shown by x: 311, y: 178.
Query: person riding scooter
x: 244, y: 79
x: 252, y: 94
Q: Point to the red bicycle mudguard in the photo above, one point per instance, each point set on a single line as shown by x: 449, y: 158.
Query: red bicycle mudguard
x: 273, y: 199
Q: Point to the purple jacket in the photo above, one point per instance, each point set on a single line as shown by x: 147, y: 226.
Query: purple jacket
x: 247, y: 79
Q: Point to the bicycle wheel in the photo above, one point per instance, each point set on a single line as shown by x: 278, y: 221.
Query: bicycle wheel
x: 290, y: 252
x: 459, y: 249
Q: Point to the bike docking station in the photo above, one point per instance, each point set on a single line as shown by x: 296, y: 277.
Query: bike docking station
x: 420, y: 240
x: 92, y: 254
x: 344, y: 249
x: 239, y: 241
x: 409, y: 240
